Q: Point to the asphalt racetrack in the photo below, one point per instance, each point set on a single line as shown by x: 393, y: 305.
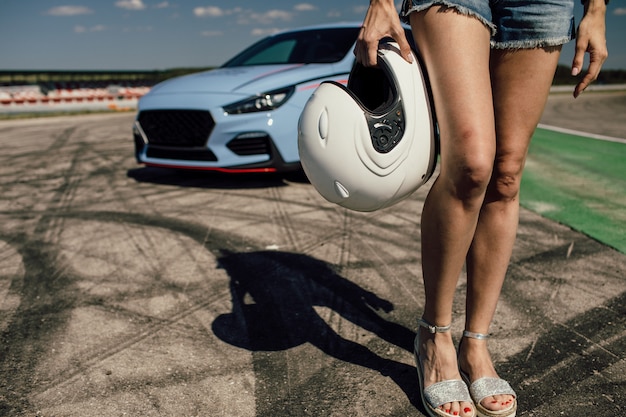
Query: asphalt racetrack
x: 133, y: 291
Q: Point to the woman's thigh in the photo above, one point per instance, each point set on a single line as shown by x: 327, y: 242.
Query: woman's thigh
x: 455, y: 48
x: 521, y: 81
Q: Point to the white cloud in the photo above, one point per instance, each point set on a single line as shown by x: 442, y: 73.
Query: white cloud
x: 214, y: 11
x: 264, y: 31
x: 162, y: 5
x: 333, y: 14
x: 620, y: 11
x: 278, y: 14
x: 83, y: 29
x: 211, y: 11
x: 130, y: 4
x: 304, y: 7
x: 271, y: 16
x: 248, y: 17
x: 69, y: 10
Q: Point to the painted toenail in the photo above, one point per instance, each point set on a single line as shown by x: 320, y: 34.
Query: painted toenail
x: 467, y: 410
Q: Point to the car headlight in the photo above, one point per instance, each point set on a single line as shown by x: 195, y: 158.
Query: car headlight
x: 262, y: 102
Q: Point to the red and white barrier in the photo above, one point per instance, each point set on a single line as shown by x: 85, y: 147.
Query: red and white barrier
x: 30, y: 98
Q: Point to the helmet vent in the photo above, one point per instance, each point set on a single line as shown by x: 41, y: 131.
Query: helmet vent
x: 341, y: 190
x: 323, y: 125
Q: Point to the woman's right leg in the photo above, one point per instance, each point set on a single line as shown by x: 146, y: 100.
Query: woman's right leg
x: 456, y: 51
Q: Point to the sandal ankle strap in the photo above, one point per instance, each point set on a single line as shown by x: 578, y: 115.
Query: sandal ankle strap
x: 472, y: 335
x: 432, y: 328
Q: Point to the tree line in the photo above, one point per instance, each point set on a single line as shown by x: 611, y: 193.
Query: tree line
x: 562, y: 76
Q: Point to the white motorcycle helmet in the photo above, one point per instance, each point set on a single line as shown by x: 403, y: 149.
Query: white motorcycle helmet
x: 372, y: 144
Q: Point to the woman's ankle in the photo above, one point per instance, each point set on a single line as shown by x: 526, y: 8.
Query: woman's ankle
x: 474, y: 358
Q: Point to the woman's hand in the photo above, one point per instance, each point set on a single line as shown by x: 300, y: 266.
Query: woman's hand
x: 591, y: 38
x: 381, y: 21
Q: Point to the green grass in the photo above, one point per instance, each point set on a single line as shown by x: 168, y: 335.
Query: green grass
x: 579, y: 182
x: 33, y: 115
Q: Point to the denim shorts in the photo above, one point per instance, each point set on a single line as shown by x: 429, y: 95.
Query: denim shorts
x: 514, y: 24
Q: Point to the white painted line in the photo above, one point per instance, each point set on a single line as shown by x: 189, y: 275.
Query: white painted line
x: 584, y: 134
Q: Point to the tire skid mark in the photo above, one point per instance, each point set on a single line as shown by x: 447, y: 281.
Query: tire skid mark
x: 48, y: 292
x: 43, y: 311
x: 346, y: 238
x: 54, y: 300
x: 194, y: 231
x: 566, y: 354
x: 562, y: 352
x: 282, y: 218
x: 394, y: 279
x: 542, y: 266
x: 155, y: 326
x: 60, y: 141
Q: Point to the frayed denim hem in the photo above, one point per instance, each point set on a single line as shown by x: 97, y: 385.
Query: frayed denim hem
x: 531, y: 44
x: 459, y: 9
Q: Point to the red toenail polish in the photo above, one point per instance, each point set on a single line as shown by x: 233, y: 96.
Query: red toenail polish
x: 467, y: 410
x: 456, y: 413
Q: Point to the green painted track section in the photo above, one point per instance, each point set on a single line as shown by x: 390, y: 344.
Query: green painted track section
x: 579, y: 182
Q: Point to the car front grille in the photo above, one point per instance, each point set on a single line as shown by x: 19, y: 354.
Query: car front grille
x: 177, y: 128
x: 186, y: 154
x: 250, y: 144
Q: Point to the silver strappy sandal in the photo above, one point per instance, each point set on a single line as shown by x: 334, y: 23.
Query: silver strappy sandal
x: 487, y: 387
x: 443, y: 392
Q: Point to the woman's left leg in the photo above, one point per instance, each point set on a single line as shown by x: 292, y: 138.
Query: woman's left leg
x: 521, y: 82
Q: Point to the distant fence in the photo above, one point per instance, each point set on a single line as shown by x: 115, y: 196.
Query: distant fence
x: 41, y: 91
x: 35, y: 97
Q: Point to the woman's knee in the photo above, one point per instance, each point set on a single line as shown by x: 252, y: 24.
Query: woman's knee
x: 506, y: 179
x: 470, y: 178
x: 468, y: 154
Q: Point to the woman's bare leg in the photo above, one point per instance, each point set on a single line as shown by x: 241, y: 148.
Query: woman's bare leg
x: 521, y: 82
x: 456, y: 51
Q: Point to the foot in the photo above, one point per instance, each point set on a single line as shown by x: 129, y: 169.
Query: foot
x: 438, y: 358
x: 475, y: 361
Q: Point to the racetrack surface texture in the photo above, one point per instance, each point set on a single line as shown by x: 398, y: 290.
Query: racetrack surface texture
x: 137, y: 291
x: 602, y: 113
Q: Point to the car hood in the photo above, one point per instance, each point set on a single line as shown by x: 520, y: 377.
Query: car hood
x: 246, y: 80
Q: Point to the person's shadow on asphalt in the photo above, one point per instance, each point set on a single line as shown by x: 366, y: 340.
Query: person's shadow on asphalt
x: 273, y: 295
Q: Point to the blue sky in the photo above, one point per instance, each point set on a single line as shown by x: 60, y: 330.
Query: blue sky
x: 158, y: 34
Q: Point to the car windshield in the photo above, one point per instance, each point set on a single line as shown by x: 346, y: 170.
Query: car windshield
x: 302, y: 47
